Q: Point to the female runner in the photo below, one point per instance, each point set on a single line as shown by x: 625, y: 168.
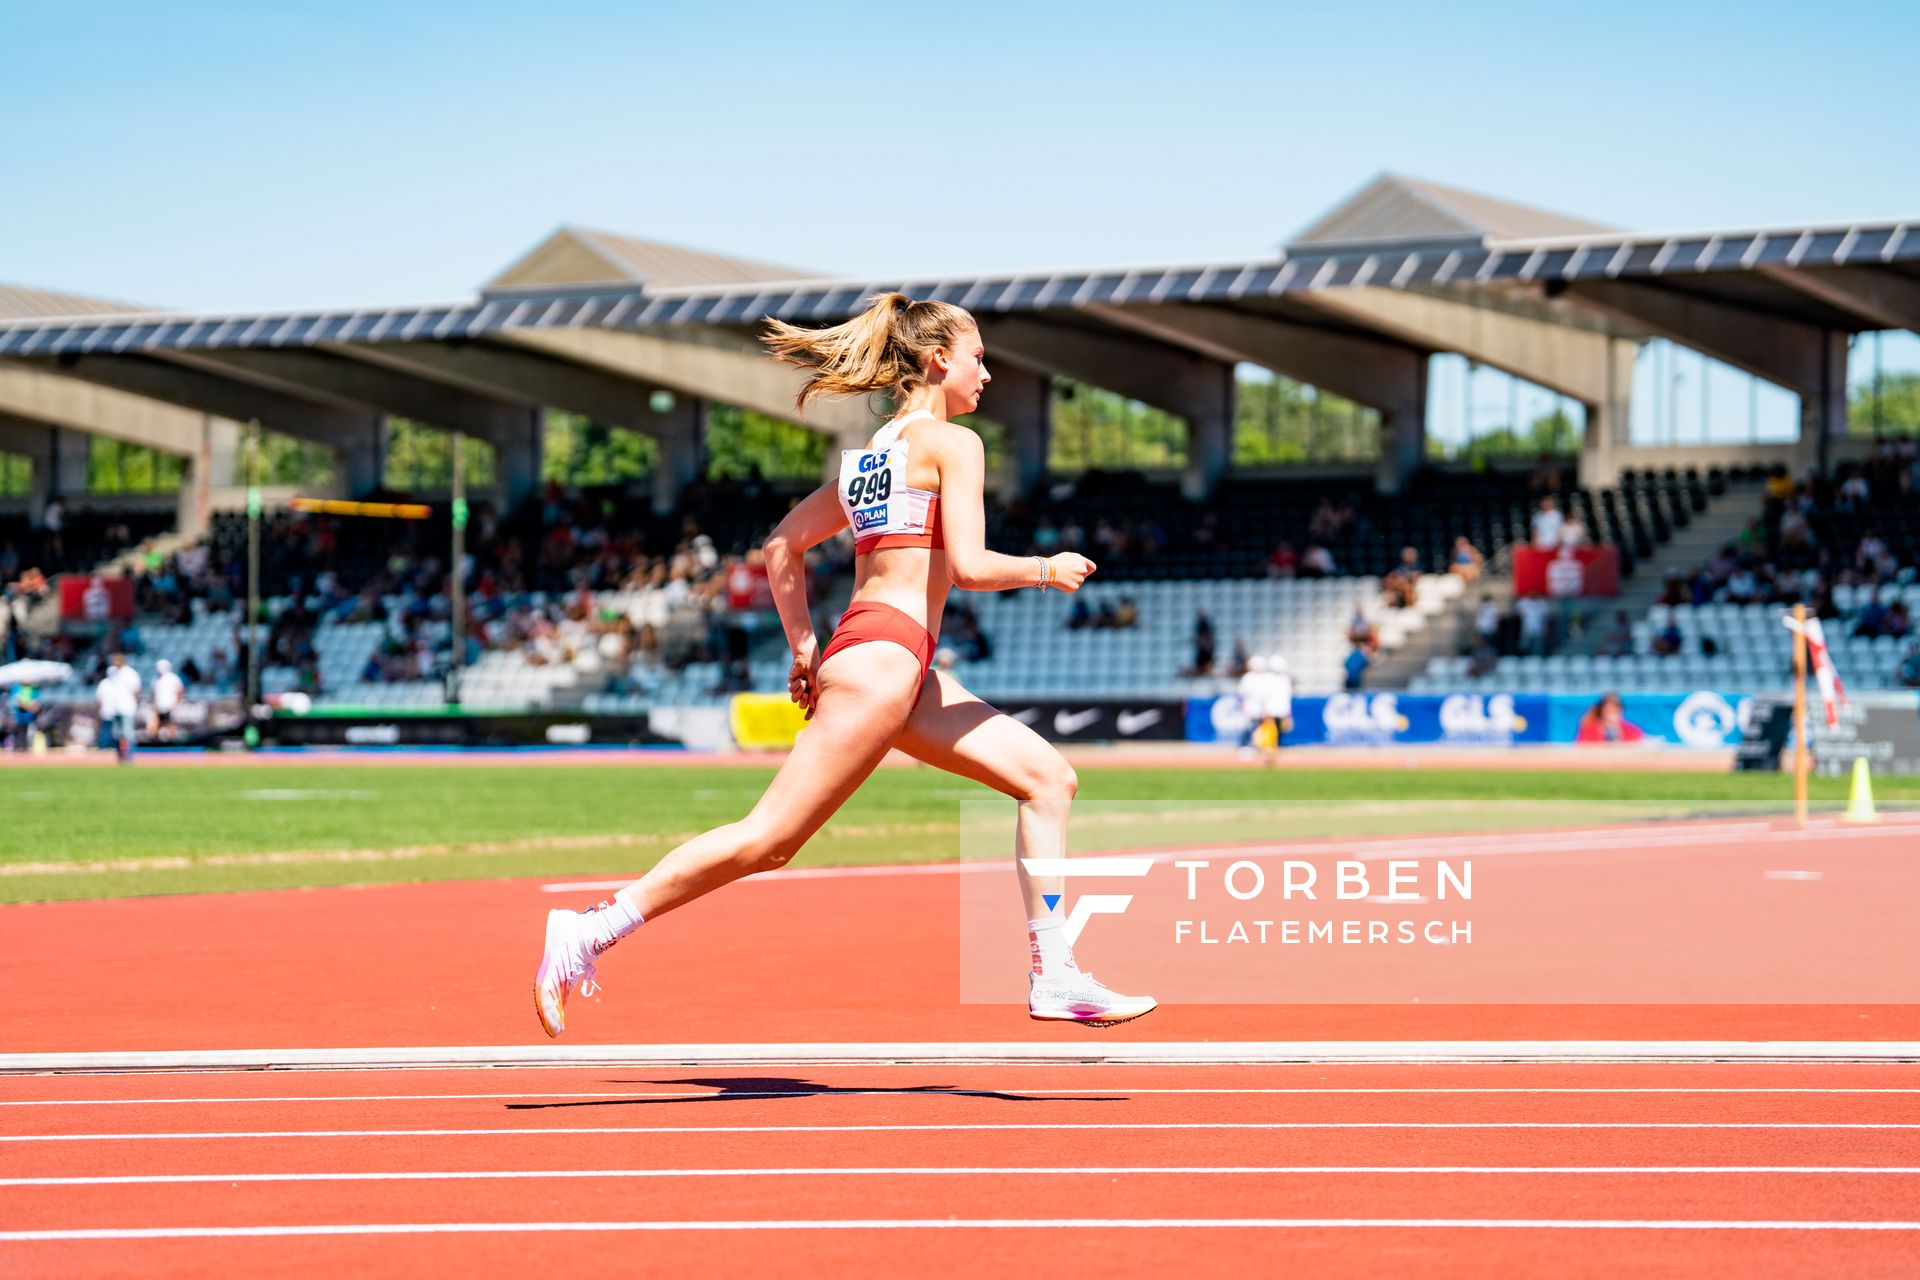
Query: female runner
x: 913, y: 497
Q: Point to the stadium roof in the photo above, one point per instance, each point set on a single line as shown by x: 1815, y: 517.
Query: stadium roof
x: 581, y: 256
x: 1396, y: 233
x: 19, y: 302
x: 1397, y: 208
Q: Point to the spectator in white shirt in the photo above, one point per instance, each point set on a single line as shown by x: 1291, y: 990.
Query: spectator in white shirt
x: 118, y: 696
x: 1547, y: 522
x: 168, y: 690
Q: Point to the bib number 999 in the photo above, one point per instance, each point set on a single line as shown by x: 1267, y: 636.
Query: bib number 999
x: 874, y: 487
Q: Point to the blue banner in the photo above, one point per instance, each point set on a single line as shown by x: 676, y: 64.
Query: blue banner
x: 1701, y: 719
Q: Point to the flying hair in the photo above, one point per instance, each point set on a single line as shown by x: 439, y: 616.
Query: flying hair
x: 884, y: 348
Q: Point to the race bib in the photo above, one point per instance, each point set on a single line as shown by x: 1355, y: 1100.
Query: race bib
x: 873, y: 491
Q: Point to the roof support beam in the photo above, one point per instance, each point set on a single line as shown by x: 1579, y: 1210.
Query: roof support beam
x: 1586, y: 364
x: 706, y: 363
x: 513, y: 425
x: 1782, y: 351
x: 1882, y: 299
x: 358, y: 384
x: 39, y: 396
x: 680, y: 426
x: 1389, y: 377
x: 1174, y: 378
x: 1809, y: 361
x: 357, y: 435
x: 506, y: 372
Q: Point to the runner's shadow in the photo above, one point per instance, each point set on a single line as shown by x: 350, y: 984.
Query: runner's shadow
x: 744, y: 1089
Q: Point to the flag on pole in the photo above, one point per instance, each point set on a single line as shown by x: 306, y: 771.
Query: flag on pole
x: 1833, y: 694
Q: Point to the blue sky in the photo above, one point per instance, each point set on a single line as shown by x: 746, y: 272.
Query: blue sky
x: 261, y: 155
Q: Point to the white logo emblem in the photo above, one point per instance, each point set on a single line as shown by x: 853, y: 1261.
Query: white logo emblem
x: 1028, y: 717
x: 1704, y: 720
x: 1092, y: 904
x: 1071, y: 722
x: 1132, y: 722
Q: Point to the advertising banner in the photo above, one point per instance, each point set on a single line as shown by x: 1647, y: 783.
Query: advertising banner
x: 1883, y: 729
x: 1379, y: 719
x: 90, y: 598
x: 1101, y: 721
x: 408, y: 728
x: 1567, y: 573
x: 765, y: 721
x: 1703, y: 719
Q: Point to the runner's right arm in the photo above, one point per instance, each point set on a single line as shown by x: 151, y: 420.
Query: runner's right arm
x: 817, y: 517
x: 963, y: 467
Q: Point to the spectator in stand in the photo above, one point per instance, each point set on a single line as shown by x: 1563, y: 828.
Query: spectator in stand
x: 1486, y: 624
x: 1465, y: 561
x: 1667, y: 640
x: 1743, y: 584
x: 1284, y: 562
x: 1897, y: 623
x: 1573, y: 532
x: 1401, y: 586
x: 1356, y: 666
x: 1534, y: 612
x: 53, y: 524
x: 1547, y: 523
x: 1079, y: 614
x: 1317, y: 562
x: 1203, y: 643
x: 1127, y: 614
x: 1618, y: 642
x: 1240, y: 663
x: 1872, y: 616
x: 1324, y: 524
x: 1908, y: 672
x: 1361, y: 633
x: 1484, y: 661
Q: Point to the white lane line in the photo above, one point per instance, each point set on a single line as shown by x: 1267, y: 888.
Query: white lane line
x: 952, y: 1091
x: 1364, y: 848
x: 464, y: 1175
x: 950, y: 1224
x: 632, y: 1130
x: 1220, y: 1052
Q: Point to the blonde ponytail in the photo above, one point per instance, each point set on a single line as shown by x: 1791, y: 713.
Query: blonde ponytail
x: 881, y: 349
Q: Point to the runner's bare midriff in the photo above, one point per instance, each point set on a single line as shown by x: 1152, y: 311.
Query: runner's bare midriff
x: 911, y: 579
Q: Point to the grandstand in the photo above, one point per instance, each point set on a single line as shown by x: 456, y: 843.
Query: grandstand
x: 613, y: 598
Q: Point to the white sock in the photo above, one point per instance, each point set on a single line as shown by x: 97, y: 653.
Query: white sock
x: 1047, y: 941
x: 612, y: 921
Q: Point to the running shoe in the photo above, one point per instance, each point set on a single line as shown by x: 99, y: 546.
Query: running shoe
x: 1074, y: 996
x: 566, y: 964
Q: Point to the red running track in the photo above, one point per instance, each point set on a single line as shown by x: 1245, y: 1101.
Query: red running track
x: 1436, y: 1170
x: 868, y: 957
x: 855, y: 1152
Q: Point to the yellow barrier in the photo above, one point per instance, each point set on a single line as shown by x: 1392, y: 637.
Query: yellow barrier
x: 765, y: 720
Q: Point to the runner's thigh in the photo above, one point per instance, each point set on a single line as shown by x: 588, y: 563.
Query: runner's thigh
x: 865, y: 694
x: 951, y: 729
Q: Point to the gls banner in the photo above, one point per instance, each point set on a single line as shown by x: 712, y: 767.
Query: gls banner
x: 1102, y: 721
x: 1363, y: 719
x: 1704, y: 719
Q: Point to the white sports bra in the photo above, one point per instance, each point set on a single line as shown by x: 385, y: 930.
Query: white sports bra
x: 881, y: 509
